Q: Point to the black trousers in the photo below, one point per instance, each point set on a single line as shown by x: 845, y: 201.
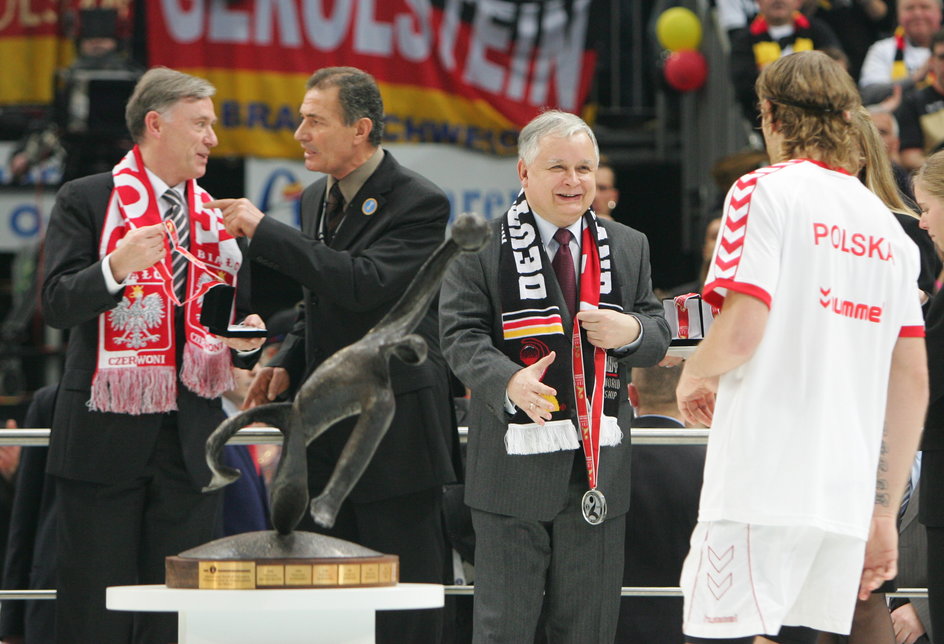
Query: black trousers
x: 936, y: 579
x: 119, y: 534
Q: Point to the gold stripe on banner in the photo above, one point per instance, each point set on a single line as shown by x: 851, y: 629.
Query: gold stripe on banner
x: 30, y: 81
x: 427, y: 115
x: 258, y: 114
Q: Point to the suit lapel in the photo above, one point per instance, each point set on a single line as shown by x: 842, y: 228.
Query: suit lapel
x: 315, y: 205
x: 367, y: 204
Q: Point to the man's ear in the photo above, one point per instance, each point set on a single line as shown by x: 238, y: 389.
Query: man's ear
x: 153, y: 123
x: 362, y: 128
x: 523, y: 173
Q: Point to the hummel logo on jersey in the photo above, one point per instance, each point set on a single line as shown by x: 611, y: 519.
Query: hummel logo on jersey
x: 857, y: 244
x: 848, y: 308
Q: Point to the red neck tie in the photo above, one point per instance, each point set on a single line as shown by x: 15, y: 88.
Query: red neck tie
x: 563, y: 264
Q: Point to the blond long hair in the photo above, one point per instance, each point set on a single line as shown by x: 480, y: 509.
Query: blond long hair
x: 811, y: 99
x: 875, y: 166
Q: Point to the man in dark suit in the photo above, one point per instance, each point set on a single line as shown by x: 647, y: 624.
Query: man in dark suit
x: 367, y: 227
x: 140, y: 391
x: 663, y: 510
x: 507, y: 331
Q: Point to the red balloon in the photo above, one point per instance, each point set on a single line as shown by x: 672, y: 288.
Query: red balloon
x: 685, y: 70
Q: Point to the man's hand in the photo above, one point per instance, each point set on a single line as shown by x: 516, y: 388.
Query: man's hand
x: 9, y: 456
x: 881, y: 554
x: 907, y: 624
x: 527, y: 392
x: 246, y: 344
x: 141, y: 248
x: 608, y: 329
x: 240, y: 216
x: 266, y: 386
x: 696, y: 398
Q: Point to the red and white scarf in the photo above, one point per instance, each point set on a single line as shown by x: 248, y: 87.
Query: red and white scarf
x: 136, y: 372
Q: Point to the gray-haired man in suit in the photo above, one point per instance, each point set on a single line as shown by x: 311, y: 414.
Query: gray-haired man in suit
x: 549, y: 515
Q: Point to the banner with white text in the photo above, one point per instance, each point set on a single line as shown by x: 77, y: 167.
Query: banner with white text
x: 465, y: 72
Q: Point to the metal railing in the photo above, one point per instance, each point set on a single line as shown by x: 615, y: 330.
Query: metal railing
x: 271, y: 435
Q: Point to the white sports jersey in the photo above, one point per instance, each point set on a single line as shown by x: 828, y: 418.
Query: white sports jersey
x: 797, y: 429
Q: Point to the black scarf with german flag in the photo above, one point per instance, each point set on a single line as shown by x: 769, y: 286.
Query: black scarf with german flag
x: 532, y: 327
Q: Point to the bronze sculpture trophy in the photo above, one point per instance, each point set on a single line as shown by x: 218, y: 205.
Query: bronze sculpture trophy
x: 355, y: 380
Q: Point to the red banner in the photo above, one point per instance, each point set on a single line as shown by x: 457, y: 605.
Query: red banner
x: 468, y: 72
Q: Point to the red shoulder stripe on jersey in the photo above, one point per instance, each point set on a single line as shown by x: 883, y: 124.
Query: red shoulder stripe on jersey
x: 716, y: 299
x: 916, y: 331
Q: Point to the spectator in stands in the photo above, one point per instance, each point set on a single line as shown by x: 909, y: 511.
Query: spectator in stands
x: 887, y: 126
x: 857, y: 23
x: 663, y: 509
x: 902, y: 58
x: 921, y: 115
x: 607, y: 193
x: 779, y: 29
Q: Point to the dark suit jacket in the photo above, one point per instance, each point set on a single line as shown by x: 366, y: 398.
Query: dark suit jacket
x: 93, y: 446
x: 349, y: 285
x: 932, y: 442
x: 666, y: 485
x: 534, y: 487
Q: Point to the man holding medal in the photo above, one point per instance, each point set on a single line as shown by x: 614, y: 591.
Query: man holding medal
x: 129, y: 253
x: 545, y: 349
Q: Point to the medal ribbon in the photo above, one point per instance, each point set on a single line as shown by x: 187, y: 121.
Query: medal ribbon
x: 589, y: 413
x: 174, y: 241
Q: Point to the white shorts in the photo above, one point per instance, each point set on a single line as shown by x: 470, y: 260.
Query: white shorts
x: 741, y: 579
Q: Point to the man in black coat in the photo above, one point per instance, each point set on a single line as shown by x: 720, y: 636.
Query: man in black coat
x: 367, y: 227
x: 139, y: 394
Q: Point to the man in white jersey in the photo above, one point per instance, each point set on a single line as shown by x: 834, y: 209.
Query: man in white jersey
x: 820, y: 326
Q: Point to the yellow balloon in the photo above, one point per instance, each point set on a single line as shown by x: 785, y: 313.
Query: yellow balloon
x: 678, y: 29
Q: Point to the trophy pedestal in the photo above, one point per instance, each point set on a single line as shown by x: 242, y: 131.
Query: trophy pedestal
x: 267, y: 559
x: 303, y: 616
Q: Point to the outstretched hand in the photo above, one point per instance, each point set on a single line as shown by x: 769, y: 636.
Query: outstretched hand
x: 529, y: 394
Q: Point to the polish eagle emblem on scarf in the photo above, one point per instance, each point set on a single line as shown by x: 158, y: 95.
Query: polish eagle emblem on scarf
x: 135, y: 316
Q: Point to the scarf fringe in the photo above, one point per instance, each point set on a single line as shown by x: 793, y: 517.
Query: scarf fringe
x: 134, y: 391
x: 555, y: 436
x: 207, y: 374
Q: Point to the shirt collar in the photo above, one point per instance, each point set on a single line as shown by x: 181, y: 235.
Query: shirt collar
x: 160, y: 186
x: 546, y: 229
x: 355, y: 180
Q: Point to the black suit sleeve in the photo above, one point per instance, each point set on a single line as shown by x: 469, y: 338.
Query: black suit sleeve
x: 74, y: 290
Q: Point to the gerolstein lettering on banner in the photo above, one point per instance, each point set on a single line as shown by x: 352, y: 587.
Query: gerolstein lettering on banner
x: 550, y: 36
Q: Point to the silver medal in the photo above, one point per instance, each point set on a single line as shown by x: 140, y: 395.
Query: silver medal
x: 593, y: 507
